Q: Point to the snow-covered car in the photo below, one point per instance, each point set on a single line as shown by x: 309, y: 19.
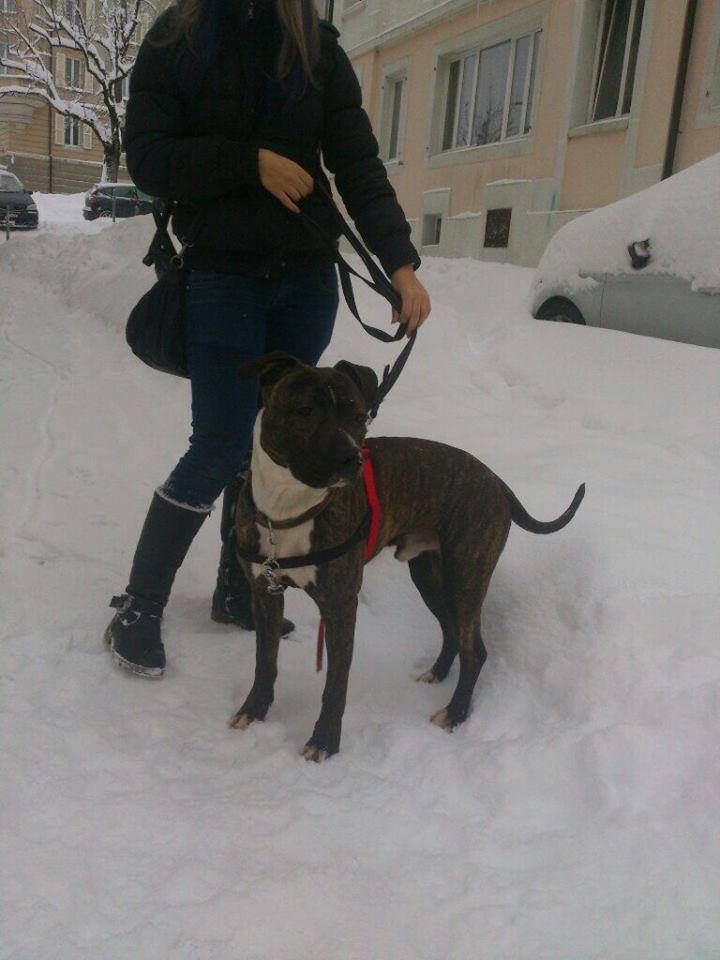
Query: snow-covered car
x: 648, y: 264
x: 16, y: 203
x: 129, y: 201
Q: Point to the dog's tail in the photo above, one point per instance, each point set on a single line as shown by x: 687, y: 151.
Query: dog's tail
x: 522, y: 518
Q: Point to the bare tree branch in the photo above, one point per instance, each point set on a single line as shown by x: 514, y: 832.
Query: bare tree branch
x: 104, y: 41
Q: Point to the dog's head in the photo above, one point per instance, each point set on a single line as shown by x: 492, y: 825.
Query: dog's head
x: 314, y: 420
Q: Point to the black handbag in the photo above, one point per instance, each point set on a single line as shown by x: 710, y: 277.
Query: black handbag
x: 155, y: 329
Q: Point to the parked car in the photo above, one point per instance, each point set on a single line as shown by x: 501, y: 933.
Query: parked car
x: 129, y: 201
x: 648, y: 264
x: 16, y: 203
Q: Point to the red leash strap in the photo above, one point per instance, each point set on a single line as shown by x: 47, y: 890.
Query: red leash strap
x: 374, y: 504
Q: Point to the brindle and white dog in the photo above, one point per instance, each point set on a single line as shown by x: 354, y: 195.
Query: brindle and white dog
x: 444, y: 512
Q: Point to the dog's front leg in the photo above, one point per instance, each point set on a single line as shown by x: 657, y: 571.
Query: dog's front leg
x: 339, y: 638
x: 268, y: 612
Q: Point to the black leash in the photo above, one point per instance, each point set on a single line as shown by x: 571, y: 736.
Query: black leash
x: 378, y: 282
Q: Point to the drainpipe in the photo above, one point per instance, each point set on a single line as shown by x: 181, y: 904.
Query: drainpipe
x: 51, y: 118
x: 679, y: 94
x: 329, y: 10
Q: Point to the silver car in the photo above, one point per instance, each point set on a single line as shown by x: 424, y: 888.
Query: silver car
x: 597, y: 271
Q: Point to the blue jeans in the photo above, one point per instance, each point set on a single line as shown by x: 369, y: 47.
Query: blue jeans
x: 230, y: 319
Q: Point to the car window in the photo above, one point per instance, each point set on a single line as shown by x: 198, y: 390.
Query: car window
x: 120, y: 192
x: 144, y: 196
x: 9, y: 183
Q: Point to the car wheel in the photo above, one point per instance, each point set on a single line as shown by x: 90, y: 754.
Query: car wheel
x: 560, y: 310
x: 105, y: 213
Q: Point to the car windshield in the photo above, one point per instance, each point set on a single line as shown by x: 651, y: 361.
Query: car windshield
x: 9, y: 183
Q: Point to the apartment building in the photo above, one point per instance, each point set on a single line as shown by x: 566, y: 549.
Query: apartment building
x: 50, y: 152
x: 501, y: 120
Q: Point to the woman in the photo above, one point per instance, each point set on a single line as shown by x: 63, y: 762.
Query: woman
x: 231, y: 104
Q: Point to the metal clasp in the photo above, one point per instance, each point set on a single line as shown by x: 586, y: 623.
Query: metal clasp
x: 179, y: 258
x: 271, y: 568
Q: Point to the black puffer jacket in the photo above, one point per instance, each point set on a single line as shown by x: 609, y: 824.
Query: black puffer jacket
x: 197, y: 142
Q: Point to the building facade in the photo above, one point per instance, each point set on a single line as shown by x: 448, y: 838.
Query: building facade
x: 47, y: 151
x: 501, y: 120
x: 498, y: 120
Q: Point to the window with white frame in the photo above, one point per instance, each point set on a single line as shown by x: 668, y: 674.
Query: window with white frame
x: 394, y: 94
x: 714, y: 90
x: 72, y: 132
x: 396, y: 99
x: 122, y: 89
x: 616, y: 53
x: 73, y: 73
x: 4, y: 53
x: 359, y: 69
x: 73, y: 11
x: 490, y: 93
x: 432, y: 229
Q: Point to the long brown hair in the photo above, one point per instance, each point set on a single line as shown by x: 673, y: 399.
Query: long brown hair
x: 299, y: 26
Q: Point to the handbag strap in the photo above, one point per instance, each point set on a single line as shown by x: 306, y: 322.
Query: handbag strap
x: 161, y: 243
x: 378, y: 282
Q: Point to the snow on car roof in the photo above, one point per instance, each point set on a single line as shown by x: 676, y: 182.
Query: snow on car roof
x: 680, y: 216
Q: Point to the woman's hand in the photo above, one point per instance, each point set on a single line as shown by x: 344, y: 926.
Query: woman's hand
x: 284, y: 178
x: 416, y: 304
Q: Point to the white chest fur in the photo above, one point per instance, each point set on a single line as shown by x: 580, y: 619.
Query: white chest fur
x: 280, y: 496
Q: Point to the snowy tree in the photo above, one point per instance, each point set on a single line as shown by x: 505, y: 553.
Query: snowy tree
x: 77, y: 55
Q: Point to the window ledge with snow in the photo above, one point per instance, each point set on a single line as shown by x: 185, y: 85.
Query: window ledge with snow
x: 611, y: 125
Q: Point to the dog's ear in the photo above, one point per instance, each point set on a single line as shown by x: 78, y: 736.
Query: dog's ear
x: 364, y: 378
x: 270, y: 369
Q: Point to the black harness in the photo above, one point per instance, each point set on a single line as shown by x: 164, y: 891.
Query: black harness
x: 313, y: 559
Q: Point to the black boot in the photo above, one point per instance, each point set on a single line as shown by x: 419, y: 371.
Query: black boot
x: 134, y: 633
x: 231, y: 602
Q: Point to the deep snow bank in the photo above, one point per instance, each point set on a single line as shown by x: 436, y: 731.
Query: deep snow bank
x: 573, y: 817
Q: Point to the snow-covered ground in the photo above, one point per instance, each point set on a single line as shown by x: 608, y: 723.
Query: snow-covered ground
x: 573, y: 817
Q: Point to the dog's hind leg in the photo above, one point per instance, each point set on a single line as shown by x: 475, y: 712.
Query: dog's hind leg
x: 466, y: 577
x: 427, y: 577
x: 472, y: 657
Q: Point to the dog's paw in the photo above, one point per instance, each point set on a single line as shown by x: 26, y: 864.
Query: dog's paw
x: 314, y: 753
x: 428, y: 677
x: 443, y: 720
x: 449, y: 718
x: 241, y: 721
